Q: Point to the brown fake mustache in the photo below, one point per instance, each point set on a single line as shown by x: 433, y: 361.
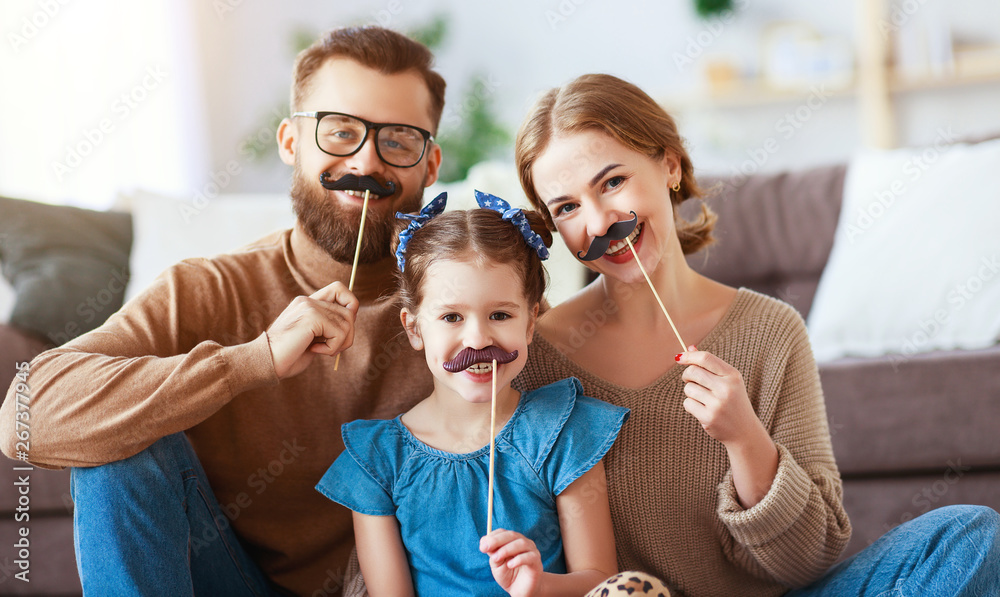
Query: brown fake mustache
x: 472, y: 356
x: 616, y: 231
x: 351, y: 182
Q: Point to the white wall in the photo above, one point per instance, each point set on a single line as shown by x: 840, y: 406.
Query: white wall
x: 97, y: 96
x: 523, y: 47
x: 230, y: 61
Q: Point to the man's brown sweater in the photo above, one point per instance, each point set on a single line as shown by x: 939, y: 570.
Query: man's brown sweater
x: 190, y: 354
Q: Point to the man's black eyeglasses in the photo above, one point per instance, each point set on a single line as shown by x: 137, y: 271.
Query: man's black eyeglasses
x: 341, y: 135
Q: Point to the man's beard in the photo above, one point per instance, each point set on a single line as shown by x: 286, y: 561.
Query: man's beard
x: 335, y: 229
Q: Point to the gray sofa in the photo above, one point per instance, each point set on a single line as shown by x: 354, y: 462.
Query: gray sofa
x: 68, y: 267
x: 909, y: 436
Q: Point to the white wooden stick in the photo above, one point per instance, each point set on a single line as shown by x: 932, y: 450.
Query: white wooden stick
x: 493, y: 427
x: 657, y: 295
x: 357, y: 255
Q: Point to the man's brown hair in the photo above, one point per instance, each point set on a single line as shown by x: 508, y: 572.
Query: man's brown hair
x: 375, y: 47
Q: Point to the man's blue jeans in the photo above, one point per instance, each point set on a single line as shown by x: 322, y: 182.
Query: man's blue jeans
x: 953, y: 551
x: 150, y: 525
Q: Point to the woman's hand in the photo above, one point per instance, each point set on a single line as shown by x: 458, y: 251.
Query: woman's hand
x: 514, y: 560
x: 717, y: 397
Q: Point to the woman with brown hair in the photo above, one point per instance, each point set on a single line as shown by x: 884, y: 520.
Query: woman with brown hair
x: 724, y: 481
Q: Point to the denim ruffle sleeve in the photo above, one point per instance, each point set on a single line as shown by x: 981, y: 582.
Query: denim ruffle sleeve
x: 354, y: 480
x: 565, y: 433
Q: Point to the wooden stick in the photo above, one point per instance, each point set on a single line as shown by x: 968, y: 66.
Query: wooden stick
x: 493, y: 428
x: 357, y: 255
x: 657, y: 295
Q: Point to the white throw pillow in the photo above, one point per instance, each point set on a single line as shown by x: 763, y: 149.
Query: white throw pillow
x: 167, y: 229
x: 915, y: 264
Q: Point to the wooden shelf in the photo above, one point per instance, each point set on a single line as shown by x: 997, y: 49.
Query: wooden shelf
x: 874, y: 85
x: 750, y: 93
x: 966, y: 73
x: 754, y: 93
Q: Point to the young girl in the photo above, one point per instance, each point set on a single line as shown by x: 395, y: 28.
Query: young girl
x: 470, y: 287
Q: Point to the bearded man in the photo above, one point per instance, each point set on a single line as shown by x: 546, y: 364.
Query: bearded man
x: 199, y: 418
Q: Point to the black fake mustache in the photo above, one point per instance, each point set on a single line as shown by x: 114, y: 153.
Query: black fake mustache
x: 351, y: 182
x: 472, y: 356
x: 616, y: 231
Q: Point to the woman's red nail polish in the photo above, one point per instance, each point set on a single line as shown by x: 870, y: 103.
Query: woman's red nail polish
x: 678, y: 357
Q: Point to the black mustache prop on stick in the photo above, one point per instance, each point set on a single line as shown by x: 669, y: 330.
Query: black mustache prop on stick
x: 351, y: 182
x: 465, y: 359
x: 622, y: 230
x: 472, y: 356
x: 616, y: 231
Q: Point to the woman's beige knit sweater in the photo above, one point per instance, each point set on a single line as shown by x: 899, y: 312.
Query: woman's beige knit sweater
x: 673, y: 502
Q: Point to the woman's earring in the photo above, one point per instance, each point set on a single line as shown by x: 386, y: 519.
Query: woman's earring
x: 677, y: 187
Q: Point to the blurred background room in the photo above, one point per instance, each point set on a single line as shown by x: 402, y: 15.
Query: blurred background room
x: 852, y: 150
x: 186, y: 88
